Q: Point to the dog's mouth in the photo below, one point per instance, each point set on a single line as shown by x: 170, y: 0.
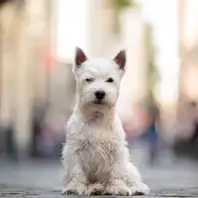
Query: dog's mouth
x: 98, y: 102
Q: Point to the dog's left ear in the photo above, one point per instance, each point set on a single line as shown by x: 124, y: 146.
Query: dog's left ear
x: 120, y: 59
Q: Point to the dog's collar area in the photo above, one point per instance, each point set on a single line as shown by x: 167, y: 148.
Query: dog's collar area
x: 97, y: 114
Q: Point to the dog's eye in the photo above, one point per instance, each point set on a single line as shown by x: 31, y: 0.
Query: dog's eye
x: 109, y: 80
x: 89, y: 80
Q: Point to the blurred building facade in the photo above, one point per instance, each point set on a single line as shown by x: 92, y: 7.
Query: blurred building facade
x: 188, y: 49
x: 37, y: 42
x: 24, y: 25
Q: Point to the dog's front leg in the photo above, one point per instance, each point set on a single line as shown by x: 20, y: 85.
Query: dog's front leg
x: 74, y: 179
x: 75, y: 182
x: 116, y: 183
x: 134, y: 181
x: 117, y: 187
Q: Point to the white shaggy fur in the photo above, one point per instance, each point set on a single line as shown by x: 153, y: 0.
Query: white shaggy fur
x: 95, y: 156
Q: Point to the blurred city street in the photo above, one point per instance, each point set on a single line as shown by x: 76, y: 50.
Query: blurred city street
x: 158, y: 101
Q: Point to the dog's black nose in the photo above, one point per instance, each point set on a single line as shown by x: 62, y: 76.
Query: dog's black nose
x: 100, y: 94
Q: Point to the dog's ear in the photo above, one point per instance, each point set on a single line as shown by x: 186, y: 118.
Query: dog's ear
x: 80, y: 57
x: 120, y: 59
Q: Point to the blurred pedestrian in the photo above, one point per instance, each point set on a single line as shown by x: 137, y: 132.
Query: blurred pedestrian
x: 186, y: 144
x: 194, y: 139
x: 37, y: 121
x: 152, y: 133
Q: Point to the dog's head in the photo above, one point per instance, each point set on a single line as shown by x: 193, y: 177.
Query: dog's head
x: 98, y: 80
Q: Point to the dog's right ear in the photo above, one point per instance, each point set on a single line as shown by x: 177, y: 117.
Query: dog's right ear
x: 120, y: 59
x: 80, y: 57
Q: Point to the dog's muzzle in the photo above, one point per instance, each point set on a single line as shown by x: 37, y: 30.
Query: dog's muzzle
x: 100, y: 95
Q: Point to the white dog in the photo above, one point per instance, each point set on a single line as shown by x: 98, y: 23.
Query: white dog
x: 95, y: 157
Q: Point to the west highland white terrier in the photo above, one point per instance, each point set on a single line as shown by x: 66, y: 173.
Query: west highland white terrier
x: 95, y: 156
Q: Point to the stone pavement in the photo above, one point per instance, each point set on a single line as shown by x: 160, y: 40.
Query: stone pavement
x: 19, y: 192
x: 39, y: 179
x: 42, y: 179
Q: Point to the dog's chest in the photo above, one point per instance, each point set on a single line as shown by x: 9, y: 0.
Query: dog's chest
x: 98, y: 150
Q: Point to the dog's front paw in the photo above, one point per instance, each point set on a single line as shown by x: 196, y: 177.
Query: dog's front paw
x: 95, y: 189
x: 140, y: 189
x: 75, y: 189
x: 120, y: 190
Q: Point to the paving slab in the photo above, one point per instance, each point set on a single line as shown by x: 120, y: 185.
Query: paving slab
x: 24, y: 192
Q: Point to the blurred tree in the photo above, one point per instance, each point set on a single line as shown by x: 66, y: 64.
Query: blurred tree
x: 2, y: 2
x: 16, y: 2
x: 152, y: 72
x: 119, y: 6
